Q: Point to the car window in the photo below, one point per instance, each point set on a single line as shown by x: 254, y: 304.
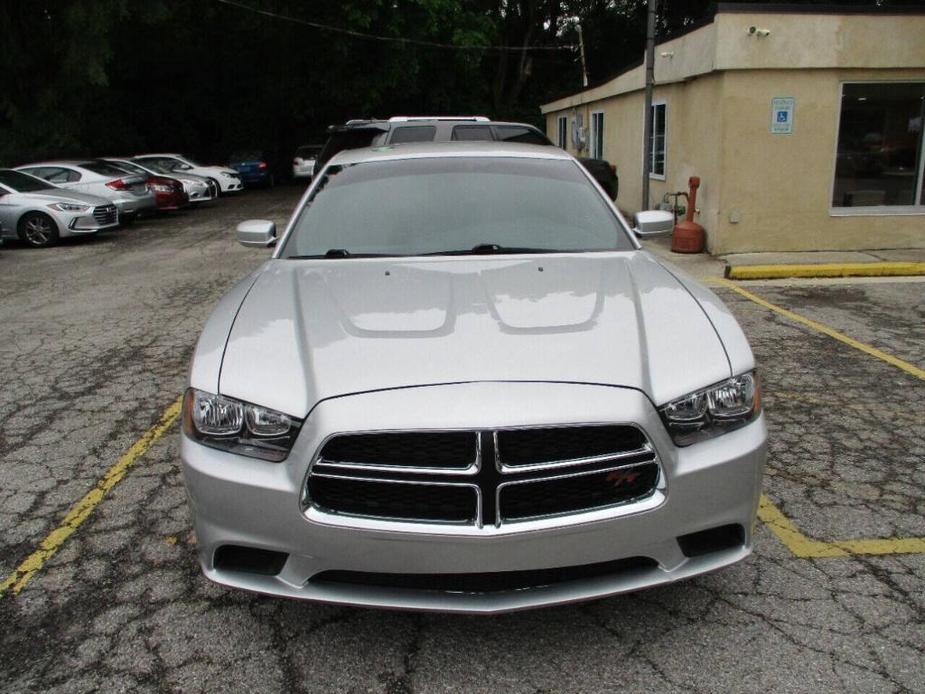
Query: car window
x: 103, y: 168
x: 439, y: 205
x: 154, y: 165
x: 130, y: 167
x: 413, y: 133
x: 23, y: 182
x: 471, y: 132
x: 163, y: 163
x: 520, y: 133
x: 59, y: 175
x: 38, y: 171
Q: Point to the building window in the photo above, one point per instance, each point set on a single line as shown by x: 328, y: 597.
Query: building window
x: 562, y: 127
x: 879, y: 158
x: 597, y: 134
x: 659, y: 140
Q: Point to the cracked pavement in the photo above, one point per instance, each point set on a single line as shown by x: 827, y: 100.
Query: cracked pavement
x: 95, y: 337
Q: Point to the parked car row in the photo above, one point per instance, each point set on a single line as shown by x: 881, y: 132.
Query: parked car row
x: 43, y: 202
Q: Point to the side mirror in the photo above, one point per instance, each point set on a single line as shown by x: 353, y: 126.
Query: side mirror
x: 257, y: 233
x: 653, y: 223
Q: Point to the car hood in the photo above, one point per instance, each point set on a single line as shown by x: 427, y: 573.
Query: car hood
x: 316, y: 329
x: 60, y: 195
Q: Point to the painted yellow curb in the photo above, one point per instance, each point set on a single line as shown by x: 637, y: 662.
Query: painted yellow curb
x: 770, y: 272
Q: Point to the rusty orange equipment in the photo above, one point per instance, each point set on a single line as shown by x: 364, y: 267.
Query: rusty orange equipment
x: 688, y: 236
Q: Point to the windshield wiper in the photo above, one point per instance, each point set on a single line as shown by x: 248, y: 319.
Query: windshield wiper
x: 339, y: 253
x: 495, y: 249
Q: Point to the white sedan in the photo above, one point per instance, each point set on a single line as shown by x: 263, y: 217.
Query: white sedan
x: 228, y: 180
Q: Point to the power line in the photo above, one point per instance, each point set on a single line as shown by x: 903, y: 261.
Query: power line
x: 392, y: 39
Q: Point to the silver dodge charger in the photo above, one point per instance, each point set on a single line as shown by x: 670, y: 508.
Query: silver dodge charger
x: 459, y: 384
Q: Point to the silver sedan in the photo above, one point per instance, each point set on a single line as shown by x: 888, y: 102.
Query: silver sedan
x: 461, y: 385
x: 129, y: 193
x: 197, y: 188
x: 39, y: 213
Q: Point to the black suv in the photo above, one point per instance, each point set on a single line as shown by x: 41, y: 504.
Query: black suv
x: 355, y: 134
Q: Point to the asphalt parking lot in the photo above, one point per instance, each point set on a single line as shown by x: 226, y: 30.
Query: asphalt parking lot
x: 106, y: 594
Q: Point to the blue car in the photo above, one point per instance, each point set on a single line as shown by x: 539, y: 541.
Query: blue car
x: 253, y: 167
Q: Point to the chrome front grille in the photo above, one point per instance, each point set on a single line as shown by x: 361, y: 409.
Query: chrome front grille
x: 478, y: 478
x: 105, y: 214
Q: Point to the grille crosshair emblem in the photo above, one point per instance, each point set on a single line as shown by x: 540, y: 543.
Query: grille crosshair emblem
x: 545, y: 479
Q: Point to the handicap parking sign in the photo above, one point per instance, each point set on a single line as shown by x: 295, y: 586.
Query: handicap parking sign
x: 782, y: 115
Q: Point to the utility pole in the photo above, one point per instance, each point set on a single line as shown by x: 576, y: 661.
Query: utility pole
x: 581, y: 48
x: 650, y: 84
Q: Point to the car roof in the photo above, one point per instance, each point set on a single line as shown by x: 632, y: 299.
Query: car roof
x: 159, y: 154
x: 388, y: 123
x: 57, y: 162
x: 422, y: 150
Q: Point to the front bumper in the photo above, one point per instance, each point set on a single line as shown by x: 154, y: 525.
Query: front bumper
x: 229, y: 184
x: 96, y: 219
x: 250, y: 503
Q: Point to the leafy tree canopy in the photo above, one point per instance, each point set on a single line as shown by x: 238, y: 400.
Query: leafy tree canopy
x: 109, y: 77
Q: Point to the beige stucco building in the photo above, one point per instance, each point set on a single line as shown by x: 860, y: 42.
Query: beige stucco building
x: 804, y: 126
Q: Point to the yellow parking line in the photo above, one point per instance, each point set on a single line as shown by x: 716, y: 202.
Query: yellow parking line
x: 895, y: 545
x: 785, y: 530
x: 807, y: 548
x: 80, y: 511
x: 882, y: 269
x: 788, y: 533
x: 826, y: 330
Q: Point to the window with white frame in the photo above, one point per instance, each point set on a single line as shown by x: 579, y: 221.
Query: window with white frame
x: 659, y: 142
x: 597, y: 134
x: 562, y: 131
x: 879, y: 158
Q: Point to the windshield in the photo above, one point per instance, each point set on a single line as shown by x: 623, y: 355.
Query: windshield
x: 23, y: 183
x: 454, y: 205
x: 103, y: 168
x: 130, y: 167
x: 190, y: 161
x: 154, y: 166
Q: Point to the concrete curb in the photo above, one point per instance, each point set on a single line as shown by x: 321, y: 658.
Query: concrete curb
x: 881, y: 269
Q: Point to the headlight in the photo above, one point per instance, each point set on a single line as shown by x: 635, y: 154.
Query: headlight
x: 158, y: 188
x: 69, y: 207
x: 238, y: 427
x: 712, y: 411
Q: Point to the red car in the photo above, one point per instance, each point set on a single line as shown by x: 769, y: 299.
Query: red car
x: 168, y: 191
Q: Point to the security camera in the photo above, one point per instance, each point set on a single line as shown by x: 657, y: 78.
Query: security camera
x: 757, y: 31
x: 752, y: 29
